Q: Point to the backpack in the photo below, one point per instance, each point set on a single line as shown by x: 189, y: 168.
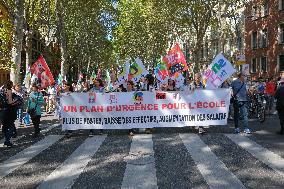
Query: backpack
x: 3, y: 100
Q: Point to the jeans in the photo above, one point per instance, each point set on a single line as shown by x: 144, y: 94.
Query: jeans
x: 269, y: 102
x: 240, y: 111
x: 8, y: 128
x: 36, y: 122
x: 281, y: 118
x: 20, y: 115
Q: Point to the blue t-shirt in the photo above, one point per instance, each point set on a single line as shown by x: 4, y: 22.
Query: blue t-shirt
x: 237, y: 85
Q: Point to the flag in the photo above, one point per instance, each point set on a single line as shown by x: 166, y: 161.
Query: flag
x: 241, y: 59
x: 34, y: 79
x: 161, y: 72
x: 123, y: 75
x: 175, y: 60
x: 218, y: 71
x: 60, y: 80
x: 107, y: 79
x: 42, y: 71
x: 93, y: 76
x: 245, y: 69
x: 27, y: 79
x: 80, y: 77
x: 99, y: 74
x: 179, y: 79
x: 137, y: 70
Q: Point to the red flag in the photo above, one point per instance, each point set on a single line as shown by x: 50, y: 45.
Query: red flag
x: 42, y: 71
x: 175, y: 60
x: 99, y: 74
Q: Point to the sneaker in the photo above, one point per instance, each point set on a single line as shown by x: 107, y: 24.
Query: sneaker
x: 201, y: 131
x: 247, y: 131
x: 101, y: 132
x: 91, y: 134
x: 237, y: 131
x: 69, y: 134
x: 148, y: 131
x: 8, y: 144
x: 131, y: 133
x: 281, y: 132
x: 14, y: 135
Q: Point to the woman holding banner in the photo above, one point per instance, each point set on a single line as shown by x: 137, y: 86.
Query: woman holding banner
x: 97, y: 88
x: 198, y: 85
x: 130, y: 88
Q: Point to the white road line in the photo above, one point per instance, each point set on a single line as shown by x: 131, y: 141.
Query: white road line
x: 65, y: 175
x: 269, y: 158
x: 49, y: 127
x: 140, y: 169
x: 212, y: 169
x: 27, y: 154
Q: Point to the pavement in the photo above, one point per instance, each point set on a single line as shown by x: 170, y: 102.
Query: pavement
x: 168, y: 158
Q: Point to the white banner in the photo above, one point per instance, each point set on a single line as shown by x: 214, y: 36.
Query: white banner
x: 144, y: 109
x: 218, y: 71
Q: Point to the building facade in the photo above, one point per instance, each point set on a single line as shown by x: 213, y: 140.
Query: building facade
x: 264, y: 38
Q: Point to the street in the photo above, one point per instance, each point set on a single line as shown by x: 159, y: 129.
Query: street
x: 168, y: 158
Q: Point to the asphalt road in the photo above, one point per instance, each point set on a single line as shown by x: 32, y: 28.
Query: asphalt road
x: 168, y: 158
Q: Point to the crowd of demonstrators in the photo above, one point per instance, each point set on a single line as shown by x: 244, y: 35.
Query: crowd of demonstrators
x: 12, y: 99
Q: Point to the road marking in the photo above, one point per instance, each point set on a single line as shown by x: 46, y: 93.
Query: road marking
x: 65, y: 175
x: 212, y: 169
x: 49, y: 127
x: 24, y: 156
x: 269, y: 158
x: 140, y: 169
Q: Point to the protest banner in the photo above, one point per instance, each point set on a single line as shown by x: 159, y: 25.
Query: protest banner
x: 137, y: 70
x: 41, y: 70
x: 144, y: 109
x: 218, y: 71
x: 175, y: 61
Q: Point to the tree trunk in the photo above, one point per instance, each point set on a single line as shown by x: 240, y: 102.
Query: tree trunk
x: 62, y: 38
x: 28, y: 51
x: 17, y: 41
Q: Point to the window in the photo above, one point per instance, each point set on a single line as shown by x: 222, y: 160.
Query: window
x: 281, y: 4
x: 254, y: 12
x: 253, y: 65
x: 281, y: 33
x: 263, y: 64
x: 263, y: 38
x: 264, y: 8
x: 254, y: 40
x: 281, y: 62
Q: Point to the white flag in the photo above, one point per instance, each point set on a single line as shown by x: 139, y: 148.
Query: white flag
x: 218, y: 71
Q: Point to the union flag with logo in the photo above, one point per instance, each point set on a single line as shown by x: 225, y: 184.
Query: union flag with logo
x: 175, y: 61
x: 42, y: 71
